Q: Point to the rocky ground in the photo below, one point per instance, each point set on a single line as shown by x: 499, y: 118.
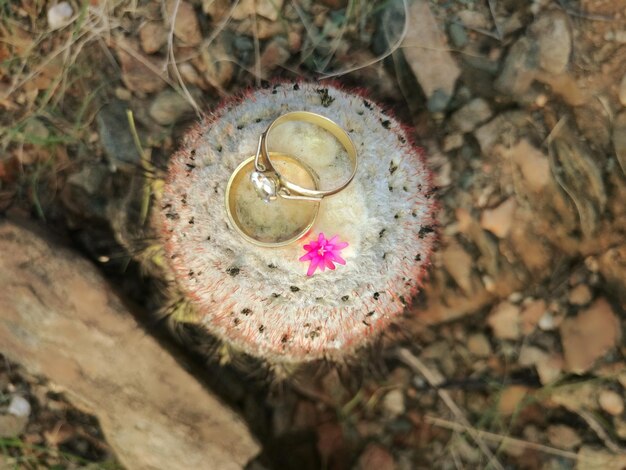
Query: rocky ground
x: 513, y: 356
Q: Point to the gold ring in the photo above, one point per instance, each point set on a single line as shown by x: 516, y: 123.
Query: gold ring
x: 270, y: 183
x: 276, y: 224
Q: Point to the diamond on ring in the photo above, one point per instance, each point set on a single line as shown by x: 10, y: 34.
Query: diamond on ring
x: 264, y: 186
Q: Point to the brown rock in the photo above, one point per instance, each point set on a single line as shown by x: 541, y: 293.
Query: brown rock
x: 471, y: 115
x: 216, y: 64
x: 511, y: 399
x: 532, y: 163
x: 589, y: 336
x: 594, y: 459
x: 152, y: 36
x: 550, y: 368
x: 531, y: 314
x: 622, y: 91
x: 553, y: 36
x: 478, y: 345
x: 499, y: 219
x: 611, y: 402
x: 563, y: 437
x: 425, y: 49
x: 270, y: 9
x: 186, y: 27
x: 580, y: 295
x: 275, y: 54
x: 375, y: 457
x: 140, y: 73
x: 459, y: 263
x: 504, y: 320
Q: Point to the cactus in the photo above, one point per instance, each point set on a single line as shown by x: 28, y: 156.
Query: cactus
x: 259, y: 300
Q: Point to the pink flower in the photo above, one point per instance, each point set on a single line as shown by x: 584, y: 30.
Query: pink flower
x: 323, y: 253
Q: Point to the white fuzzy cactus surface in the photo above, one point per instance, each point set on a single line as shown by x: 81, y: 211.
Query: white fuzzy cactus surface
x: 260, y: 300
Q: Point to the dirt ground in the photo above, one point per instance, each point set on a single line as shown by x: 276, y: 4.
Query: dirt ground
x: 512, y: 356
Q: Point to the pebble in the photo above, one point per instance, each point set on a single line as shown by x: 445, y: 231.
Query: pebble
x: 36, y: 131
x: 504, y: 320
x: 531, y: 314
x: 59, y: 15
x: 563, y: 437
x: 580, y: 295
x: 275, y: 54
x: 452, y: 142
x: 458, y: 35
x: 471, y: 115
x: 589, y: 336
x: 187, y: 26
x: 553, y: 41
x: 19, y: 406
x: 435, y: 68
x: 622, y: 91
x: 499, y: 220
x: 168, y: 107
x: 393, y: 403
x: 375, y: 457
x: 116, y: 141
x: 152, y: 36
x: 611, y: 402
x: 478, y: 345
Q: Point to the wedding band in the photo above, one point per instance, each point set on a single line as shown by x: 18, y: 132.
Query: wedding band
x: 270, y: 183
x: 276, y: 224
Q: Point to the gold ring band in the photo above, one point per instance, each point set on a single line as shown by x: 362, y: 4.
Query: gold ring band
x: 293, y: 219
x: 287, y: 189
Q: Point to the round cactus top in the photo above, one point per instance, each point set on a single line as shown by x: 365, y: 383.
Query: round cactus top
x: 261, y: 300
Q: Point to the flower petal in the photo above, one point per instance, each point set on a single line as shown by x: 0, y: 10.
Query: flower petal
x: 308, y: 256
x: 339, y: 259
x: 313, y: 266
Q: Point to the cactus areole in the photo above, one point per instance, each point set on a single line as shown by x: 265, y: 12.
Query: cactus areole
x: 376, y: 235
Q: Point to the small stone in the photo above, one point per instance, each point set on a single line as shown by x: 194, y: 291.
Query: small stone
x: 563, y: 437
x: 186, y: 27
x: 478, y: 345
x: 138, y: 70
x: 471, y: 115
x: 459, y: 263
x: 591, y: 459
x: 554, y: 41
x: 533, y: 165
x: 611, y: 402
x: 550, y: 368
x: 426, y: 52
x: 216, y: 64
x: 531, y: 315
x: 168, y: 107
x: 473, y: 19
x: 504, y: 320
x: 622, y: 91
x: 269, y: 9
x: 458, y: 35
x: 511, y: 398
x: 375, y: 457
x: 530, y: 355
x: 275, y: 54
x: 452, y: 142
x: 117, y: 142
x: 499, y: 220
x: 12, y: 426
x: 547, y: 322
x: 580, y: 295
x: 19, y: 406
x: 438, y: 101
x: 152, y: 36
x: 589, y: 336
x: 519, y: 69
x: 36, y: 131
x: 393, y: 403
x: 59, y: 15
